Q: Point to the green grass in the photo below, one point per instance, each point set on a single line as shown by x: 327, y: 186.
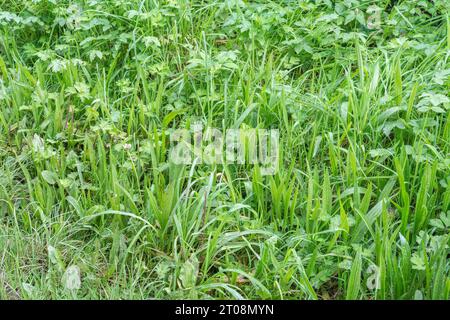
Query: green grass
x: 91, y: 90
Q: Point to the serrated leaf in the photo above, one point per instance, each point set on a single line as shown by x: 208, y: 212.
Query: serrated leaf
x: 189, y: 272
x: 72, y: 278
x: 49, y: 177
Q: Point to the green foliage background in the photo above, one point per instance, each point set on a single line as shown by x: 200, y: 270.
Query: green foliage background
x: 91, y: 90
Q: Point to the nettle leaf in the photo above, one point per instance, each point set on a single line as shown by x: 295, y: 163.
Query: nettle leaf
x: 225, y: 56
x: 57, y: 65
x: 417, y: 262
x: 49, y: 176
x: 440, y: 77
x: 61, y: 48
x: 7, y: 17
x: 328, y: 17
x: 72, y: 278
x: 231, y: 20
x: 360, y: 17
x: 389, y: 126
x: 343, y: 110
x: 28, y: 288
x: 95, y: 54
x: 45, y: 55
x: 79, y: 89
x: 151, y: 41
x: 349, y: 17
x: 389, y: 112
x: 374, y: 153
x: 299, y: 45
x: 104, y: 23
x: 304, y: 46
x: 432, y: 102
x: 345, y: 264
x: 245, y: 25
x: 427, y: 48
x: 443, y: 222
x: 189, y: 272
x: 437, y: 224
x: 132, y: 13
x: 38, y: 144
x: 418, y: 295
x: 163, y: 268
x: 55, y: 257
x: 3, y: 91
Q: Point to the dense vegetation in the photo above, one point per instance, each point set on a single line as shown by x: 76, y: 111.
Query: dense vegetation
x: 90, y: 206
